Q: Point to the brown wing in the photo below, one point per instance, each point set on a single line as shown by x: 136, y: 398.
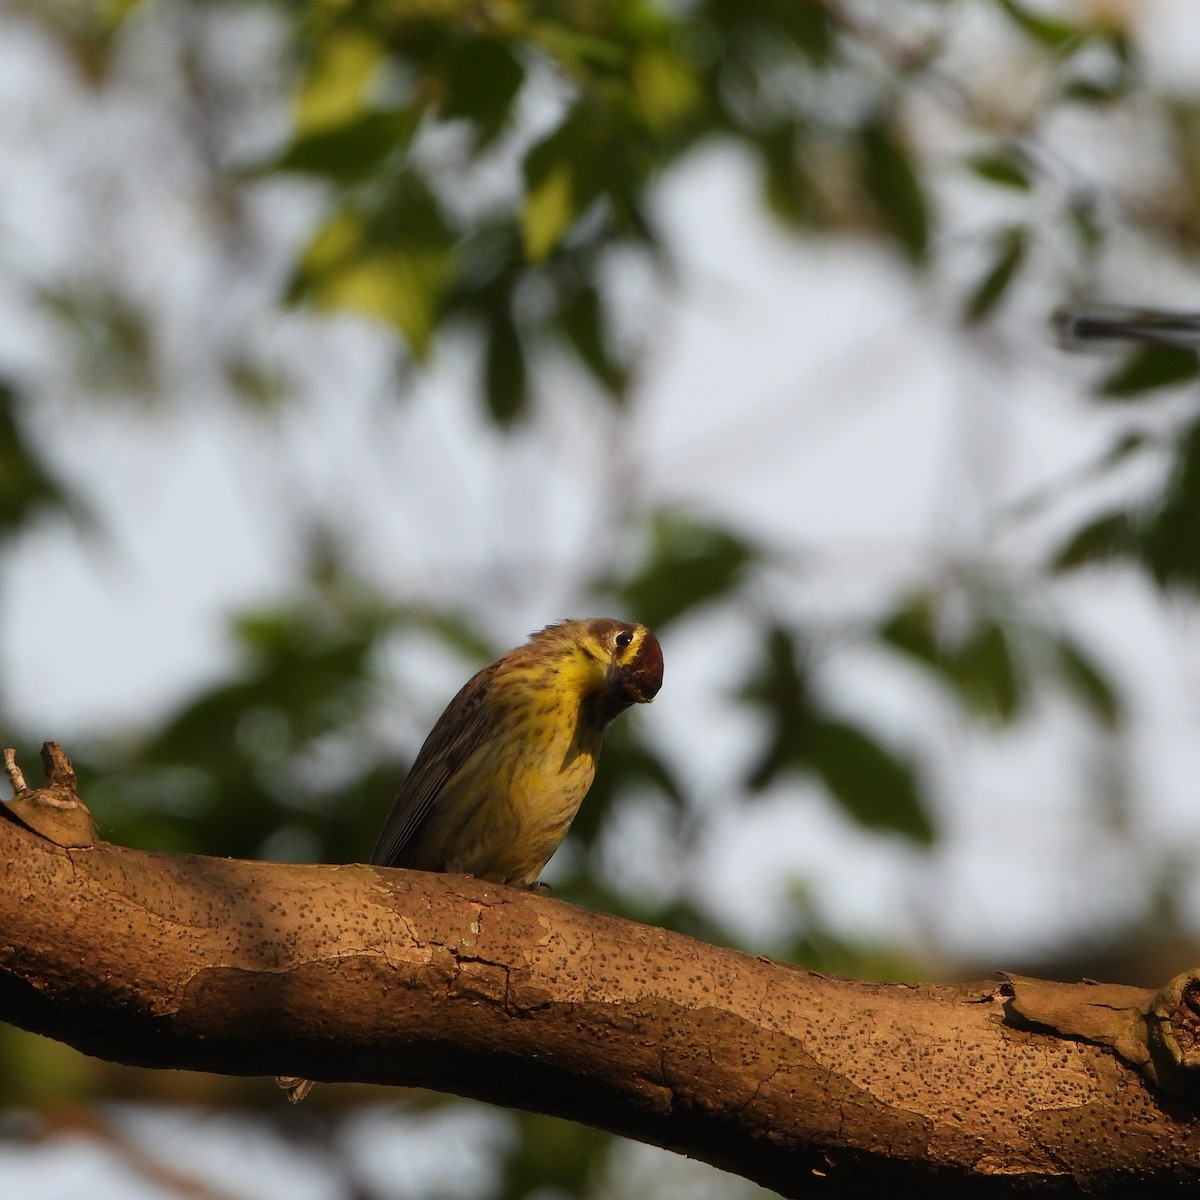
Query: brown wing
x: 459, y: 732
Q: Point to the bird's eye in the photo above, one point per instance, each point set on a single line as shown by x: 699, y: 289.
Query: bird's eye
x: 623, y: 639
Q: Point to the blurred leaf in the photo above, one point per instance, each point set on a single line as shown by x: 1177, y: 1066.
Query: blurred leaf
x: 787, y: 189
x: 583, y: 321
x: 1088, y: 682
x: 255, y: 385
x: 334, y: 89
x: 1008, y: 257
x: 811, y: 27
x: 1099, y: 540
x: 1006, y: 169
x: 400, y: 287
x: 891, y: 180
x: 984, y: 671
x: 1125, y: 446
x: 573, y: 47
x: 556, y: 190
x: 878, y: 789
x: 1151, y: 367
x: 1170, y: 537
x: 482, y: 79
x: 1089, y: 231
x: 780, y: 687
x: 875, y: 787
x: 688, y: 564
x: 775, y: 24
x: 1092, y: 91
x: 27, y: 487
x: 568, y: 169
x: 980, y: 666
x: 505, y: 382
x: 350, y: 152
x: 393, y: 263
x: 912, y: 628
x: 665, y: 86
x: 552, y: 1157
x: 113, y: 338
x: 1051, y: 33
x: 548, y: 212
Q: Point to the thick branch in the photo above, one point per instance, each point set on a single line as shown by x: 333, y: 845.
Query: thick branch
x: 795, y: 1080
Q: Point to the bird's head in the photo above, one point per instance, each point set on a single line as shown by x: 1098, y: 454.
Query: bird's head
x: 618, y: 663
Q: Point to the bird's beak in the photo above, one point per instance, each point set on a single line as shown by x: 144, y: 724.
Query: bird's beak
x: 639, y: 681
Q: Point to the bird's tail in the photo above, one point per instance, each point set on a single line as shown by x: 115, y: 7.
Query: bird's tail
x: 295, y: 1087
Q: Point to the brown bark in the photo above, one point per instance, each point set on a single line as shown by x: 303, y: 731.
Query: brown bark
x: 801, y: 1082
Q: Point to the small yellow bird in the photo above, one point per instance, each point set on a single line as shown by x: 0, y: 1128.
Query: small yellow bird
x: 501, y: 775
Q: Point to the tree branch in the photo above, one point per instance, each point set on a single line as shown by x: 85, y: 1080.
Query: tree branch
x: 781, y: 1075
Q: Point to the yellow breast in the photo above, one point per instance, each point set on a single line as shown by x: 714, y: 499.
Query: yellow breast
x: 511, y: 803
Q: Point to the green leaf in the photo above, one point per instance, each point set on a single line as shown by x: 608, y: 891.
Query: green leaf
x: 1089, y: 231
x: 350, y: 152
x: 505, y: 376
x: 1099, y: 540
x: 594, y: 152
x: 688, y: 564
x: 482, y: 77
x: 114, y: 337
x: 1080, y: 673
x: 810, y: 27
x: 548, y: 212
x: 911, y: 629
x: 400, y: 287
x: 583, y: 321
x: 981, y: 668
x: 575, y: 48
x: 1007, y: 169
x: 562, y: 177
x: 1091, y: 91
x: 1149, y: 368
x: 780, y: 688
x: 984, y: 671
x: 891, y: 180
x: 1170, y: 538
x: 255, y: 385
x: 877, y: 788
x: 27, y: 488
x: 786, y: 186
x: 772, y: 25
x: 1054, y: 34
x: 393, y: 262
x: 665, y: 86
x: 1008, y: 257
x: 335, y: 88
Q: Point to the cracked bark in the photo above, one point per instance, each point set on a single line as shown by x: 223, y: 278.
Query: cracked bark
x: 792, y: 1079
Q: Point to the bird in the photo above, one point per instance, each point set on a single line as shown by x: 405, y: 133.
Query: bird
x: 500, y: 777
